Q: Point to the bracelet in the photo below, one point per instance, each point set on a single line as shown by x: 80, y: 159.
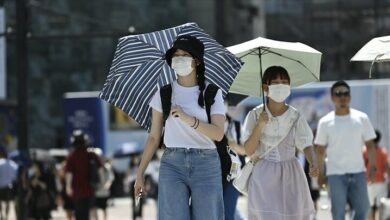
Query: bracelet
x: 197, y: 124
x: 194, y: 122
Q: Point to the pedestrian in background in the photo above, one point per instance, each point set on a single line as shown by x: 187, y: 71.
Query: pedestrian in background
x: 81, y: 168
x: 230, y: 193
x: 67, y: 202
x: 278, y: 188
x: 190, y: 170
x: 377, y: 187
x: 102, y: 193
x: 340, y: 136
x: 8, y: 173
x: 41, y: 194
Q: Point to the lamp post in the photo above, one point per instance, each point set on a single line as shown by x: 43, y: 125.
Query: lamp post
x: 22, y: 73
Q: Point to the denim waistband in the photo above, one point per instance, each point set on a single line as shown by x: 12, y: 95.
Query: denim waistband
x: 188, y: 150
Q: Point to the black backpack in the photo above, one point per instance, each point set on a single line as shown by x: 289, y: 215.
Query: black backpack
x: 222, y: 146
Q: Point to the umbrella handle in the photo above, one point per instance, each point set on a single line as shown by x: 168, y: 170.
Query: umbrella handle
x: 261, y: 78
x: 372, y: 64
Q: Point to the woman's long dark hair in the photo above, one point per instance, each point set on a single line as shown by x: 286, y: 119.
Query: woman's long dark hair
x: 200, y: 71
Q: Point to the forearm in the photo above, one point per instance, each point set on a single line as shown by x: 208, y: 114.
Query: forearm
x: 211, y: 130
x: 310, y: 155
x: 238, y: 148
x: 253, y: 141
x: 150, y: 148
x: 68, y: 180
x: 320, y: 152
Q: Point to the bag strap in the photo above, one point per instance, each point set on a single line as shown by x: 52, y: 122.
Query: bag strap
x: 166, y: 96
x: 209, y: 95
x: 257, y: 156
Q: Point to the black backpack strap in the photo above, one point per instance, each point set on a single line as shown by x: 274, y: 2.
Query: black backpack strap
x: 209, y: 95
x: 166, y: 95
x: 237, y: 126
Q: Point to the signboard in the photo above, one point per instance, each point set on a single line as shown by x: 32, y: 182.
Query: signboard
x: 85, y: 113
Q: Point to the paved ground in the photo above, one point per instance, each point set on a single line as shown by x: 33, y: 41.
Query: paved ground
x: 120, y: 209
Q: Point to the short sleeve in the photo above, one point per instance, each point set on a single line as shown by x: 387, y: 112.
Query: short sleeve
x: 368, y: 129
x: 249, y: 125
x: 155, y: 103
x: 303, y: 135
x: 218, y: 107
x: 321, y: 134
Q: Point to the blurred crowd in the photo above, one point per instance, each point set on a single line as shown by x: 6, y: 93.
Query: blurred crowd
x: 79, y: 187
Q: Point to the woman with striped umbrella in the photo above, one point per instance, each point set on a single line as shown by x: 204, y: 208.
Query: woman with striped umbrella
x: 190, y: 173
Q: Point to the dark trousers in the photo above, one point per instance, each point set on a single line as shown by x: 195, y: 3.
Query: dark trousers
x: 82, y: 207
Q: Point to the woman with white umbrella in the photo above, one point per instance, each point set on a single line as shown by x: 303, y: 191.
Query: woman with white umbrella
x: 278, y: 188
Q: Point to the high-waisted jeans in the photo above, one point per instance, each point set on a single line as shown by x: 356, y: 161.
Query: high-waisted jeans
x: 190, y: 185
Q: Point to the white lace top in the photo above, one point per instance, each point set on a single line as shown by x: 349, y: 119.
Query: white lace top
x: 277, y: 129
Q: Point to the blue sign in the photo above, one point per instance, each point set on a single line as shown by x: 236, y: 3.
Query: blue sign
x: 85, y: 113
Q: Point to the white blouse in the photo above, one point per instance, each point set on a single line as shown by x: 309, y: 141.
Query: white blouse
x: 278, y: 127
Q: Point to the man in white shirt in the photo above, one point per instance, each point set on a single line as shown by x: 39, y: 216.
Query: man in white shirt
x: 341, y: 135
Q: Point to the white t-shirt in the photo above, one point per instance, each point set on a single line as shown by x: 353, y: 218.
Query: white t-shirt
x: 278, y: 127
x: 344, y: 137
x: 178, y: 133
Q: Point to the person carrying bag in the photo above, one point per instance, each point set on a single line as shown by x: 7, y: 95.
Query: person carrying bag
x: 242, y: 180
x: 275, y: 178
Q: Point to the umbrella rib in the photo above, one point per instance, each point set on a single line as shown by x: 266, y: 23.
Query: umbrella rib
x: 251, y: 52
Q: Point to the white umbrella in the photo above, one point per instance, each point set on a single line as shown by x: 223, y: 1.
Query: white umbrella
x: 301, y: 61
x: 376, y: 50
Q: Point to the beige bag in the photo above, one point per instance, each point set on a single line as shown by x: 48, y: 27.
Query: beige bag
x: 242, y: 180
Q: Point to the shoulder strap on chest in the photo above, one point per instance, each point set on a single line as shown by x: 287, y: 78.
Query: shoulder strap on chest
x: 209, y: 95
x: 166, y: 95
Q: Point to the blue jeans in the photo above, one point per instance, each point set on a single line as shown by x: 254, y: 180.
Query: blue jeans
x: 190, y: 185
x: 351, y: 188
x: 230, y: 197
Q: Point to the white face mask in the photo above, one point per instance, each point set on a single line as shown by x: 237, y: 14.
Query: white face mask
x: 182, y: 65
x: 278, y: 92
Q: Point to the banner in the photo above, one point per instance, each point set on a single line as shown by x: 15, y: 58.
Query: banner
x: 85, y: 113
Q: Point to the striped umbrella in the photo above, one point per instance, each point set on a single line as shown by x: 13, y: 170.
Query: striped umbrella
x: 139, y: 68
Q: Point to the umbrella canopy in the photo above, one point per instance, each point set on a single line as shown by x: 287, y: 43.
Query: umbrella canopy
x: 128, y: 149
x: 301, y: 61
x: 376, y: 50
x: 139, y: 68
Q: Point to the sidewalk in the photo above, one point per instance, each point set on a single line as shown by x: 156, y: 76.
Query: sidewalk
x: 120, y: 209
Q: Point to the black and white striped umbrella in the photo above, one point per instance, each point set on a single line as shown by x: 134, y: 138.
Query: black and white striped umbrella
x: 139, y: 68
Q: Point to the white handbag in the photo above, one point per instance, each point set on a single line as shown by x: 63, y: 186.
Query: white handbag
x: 242, y: 180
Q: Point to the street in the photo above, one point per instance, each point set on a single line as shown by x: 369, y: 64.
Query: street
x: 120, y: 209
